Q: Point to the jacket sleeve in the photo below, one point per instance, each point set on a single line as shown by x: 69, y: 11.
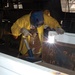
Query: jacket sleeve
x: 51, y: 22
x: 16, y: 27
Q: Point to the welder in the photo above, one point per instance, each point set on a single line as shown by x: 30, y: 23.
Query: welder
x: 34, y: 21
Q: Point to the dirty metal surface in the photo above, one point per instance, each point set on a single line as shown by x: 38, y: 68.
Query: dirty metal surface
x: 59, y: 54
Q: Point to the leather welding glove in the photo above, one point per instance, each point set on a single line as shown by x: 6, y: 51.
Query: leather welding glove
x: 25, y: 32
x: 60, y: 30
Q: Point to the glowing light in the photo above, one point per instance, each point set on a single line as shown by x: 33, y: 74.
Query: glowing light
x: 51, y: 39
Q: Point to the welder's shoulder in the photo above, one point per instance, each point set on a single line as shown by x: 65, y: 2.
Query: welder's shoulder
x: 24, y: 17
x: 48, y: 18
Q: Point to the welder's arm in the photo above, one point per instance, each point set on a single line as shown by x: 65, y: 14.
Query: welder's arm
x: 17, y: 31
x: 25, y: 32
x: 18, y: 28
x: 53, y: 24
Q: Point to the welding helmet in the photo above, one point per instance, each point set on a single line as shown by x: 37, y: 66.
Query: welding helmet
x: 37, y: 18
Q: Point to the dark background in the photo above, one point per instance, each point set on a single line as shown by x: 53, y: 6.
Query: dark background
x: 54, y: 6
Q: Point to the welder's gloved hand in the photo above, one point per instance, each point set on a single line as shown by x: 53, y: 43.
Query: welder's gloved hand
x: 25, y: 32
x: 60, y: 30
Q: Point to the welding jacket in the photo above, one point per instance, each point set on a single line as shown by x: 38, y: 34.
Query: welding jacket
x: 24, y: 22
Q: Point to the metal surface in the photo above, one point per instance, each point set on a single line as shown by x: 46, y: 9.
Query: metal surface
x: 62, y: 52
x: 7, y: 67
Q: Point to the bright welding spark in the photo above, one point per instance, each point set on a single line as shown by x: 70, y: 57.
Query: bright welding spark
x: 51, y: 39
